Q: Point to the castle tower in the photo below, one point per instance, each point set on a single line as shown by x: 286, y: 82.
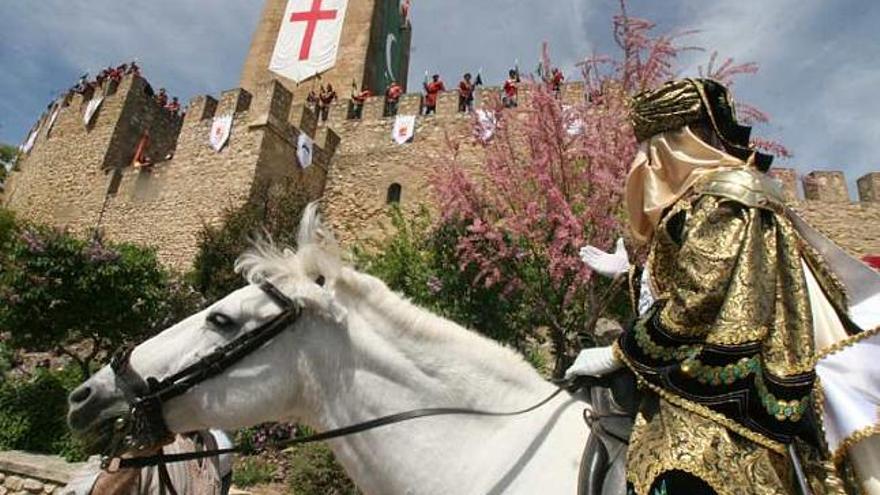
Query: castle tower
x: 373, y: 46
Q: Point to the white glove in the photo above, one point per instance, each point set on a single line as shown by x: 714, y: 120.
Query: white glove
x: 607, y: 264
x: 596, y: 361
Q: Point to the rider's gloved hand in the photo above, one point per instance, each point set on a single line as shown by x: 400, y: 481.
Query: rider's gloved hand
x: 596, y: 361
x: 607, y: 264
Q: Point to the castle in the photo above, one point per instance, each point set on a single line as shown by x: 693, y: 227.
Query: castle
x: 81, y: 176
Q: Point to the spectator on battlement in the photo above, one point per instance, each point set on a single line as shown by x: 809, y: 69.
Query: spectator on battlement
x: 312, y: 98
x: 555, y: 80
x: 133, y: 69
x: 466, y: 89
x: 432, y: 92
x: 511, y: 89
x: 325, y: 99
x: 162, y: 97
x: 173, y: 106
x: 358, y: 100
x: 392, y: 98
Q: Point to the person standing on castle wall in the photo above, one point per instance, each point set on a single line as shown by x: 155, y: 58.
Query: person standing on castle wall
x: 358, y: 100
x: 312, y: 98
x: 325, y: 99
x: 556, y: 80
x: 173, y: 106
x: 432, y: 92
x: 392, y: 98
x: 466, y: 90
x: 511, y: 89
x: 133, y: 69
x: 162, y: 97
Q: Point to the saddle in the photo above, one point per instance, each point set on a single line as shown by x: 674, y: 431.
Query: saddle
x: 615, y: 400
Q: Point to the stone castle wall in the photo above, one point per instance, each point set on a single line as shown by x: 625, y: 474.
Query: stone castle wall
x: 81, y: 178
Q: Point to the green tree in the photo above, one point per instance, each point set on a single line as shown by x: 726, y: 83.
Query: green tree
x: 8, y: 157
x: 83, y: 298
x: 275, y: 213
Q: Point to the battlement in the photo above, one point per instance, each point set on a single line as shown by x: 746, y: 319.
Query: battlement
x: 826, y: 186
x: 82, y: 177
x: 342, y: 112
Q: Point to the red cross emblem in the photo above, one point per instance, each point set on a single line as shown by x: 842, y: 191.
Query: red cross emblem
x: 312, y: 17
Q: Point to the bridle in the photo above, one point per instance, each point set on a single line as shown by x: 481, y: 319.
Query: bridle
x: 144, y: 426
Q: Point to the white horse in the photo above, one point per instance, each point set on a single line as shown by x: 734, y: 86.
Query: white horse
x: 359, y: 351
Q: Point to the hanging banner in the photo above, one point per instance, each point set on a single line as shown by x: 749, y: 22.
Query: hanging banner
x: 29, y: 144
x: 52, y: 119
x: 404, y: 129
x: 92, y: 108
x: 487, y: 123
x: 220, y: 131
x: 305, y: 148
x: 308, y: 39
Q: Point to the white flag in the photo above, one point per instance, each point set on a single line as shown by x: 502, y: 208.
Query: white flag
x: 32, y: 138
x: 92, y: 108
x: 404, y: 129
x: 308, y: 38
x: 305, y: 147
x: 487, y: 124
x: 52, y: 119
x: 220, y: 130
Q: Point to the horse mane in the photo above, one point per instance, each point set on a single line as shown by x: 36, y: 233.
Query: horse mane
x: 318, y: 254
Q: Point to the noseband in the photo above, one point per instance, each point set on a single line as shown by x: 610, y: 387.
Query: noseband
x: 144, y: 427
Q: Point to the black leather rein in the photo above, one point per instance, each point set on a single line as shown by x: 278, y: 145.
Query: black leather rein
x: 146, y: 425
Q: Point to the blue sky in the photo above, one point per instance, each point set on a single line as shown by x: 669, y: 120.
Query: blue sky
x: 818, y: 77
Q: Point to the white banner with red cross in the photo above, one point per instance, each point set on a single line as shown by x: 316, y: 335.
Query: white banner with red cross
x: 221, y: 128
x: 308, y: 39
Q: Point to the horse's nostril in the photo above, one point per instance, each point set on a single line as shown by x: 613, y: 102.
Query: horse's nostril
x: 80, y: 395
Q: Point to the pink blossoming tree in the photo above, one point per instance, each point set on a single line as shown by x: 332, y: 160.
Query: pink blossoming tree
x: 552, y: 180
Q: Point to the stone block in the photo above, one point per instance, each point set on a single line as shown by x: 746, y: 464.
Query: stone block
x: 786, y: 178
x: 13, y: 483
x: 32, y: 486
x: 827, y: 186
x: 869, y: 187
x: 233, y: 101
x: 200, y: 108
x: 271, y: 104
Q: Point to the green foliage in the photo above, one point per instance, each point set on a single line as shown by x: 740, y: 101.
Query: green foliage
x: 8, y: 153
x: 314, y: 471
x: 276, y: 213
x: 33, y: 412
x: 6, y: 360
x: 250, y: 471
x: 62, y: 292
x: 419, y: 260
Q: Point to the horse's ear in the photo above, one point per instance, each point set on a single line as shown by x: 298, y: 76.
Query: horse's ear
x: 309, y: 226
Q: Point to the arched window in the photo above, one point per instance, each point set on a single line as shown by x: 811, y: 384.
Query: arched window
x: 394, y: 191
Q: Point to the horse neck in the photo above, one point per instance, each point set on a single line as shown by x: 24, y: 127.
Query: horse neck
x: 399, y: 358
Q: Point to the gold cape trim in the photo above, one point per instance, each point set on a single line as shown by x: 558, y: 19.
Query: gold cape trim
x: 702, y: 410
x: 859, y: 435
x: 847, y: 342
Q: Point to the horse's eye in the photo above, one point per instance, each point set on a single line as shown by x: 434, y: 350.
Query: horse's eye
x: 221, y: 321
x: 320, y: 280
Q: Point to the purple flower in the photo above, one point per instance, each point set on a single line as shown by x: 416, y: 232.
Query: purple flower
x: 35, y: 243
x: 435, y: 285
x: 97, y: 253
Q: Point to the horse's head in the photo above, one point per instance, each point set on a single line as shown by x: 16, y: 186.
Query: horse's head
x: 284, y: 314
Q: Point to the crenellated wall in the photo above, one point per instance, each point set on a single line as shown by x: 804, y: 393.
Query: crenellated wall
x: 81, y: 177
x: 826, y: 204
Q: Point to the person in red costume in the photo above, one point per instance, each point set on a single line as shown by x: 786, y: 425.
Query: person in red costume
x: 358, y: 102
x: 432, y: 91
x: 392, y: 98
x: 511, y: 89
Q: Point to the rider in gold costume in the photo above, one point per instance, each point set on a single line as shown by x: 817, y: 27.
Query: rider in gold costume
x: 749, y: 319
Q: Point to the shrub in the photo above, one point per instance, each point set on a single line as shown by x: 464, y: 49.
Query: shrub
x: 275, y: 213
x: 314, y: 471
x: 250, y: 471
x: 61, y: 292
x: 33, y: 411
